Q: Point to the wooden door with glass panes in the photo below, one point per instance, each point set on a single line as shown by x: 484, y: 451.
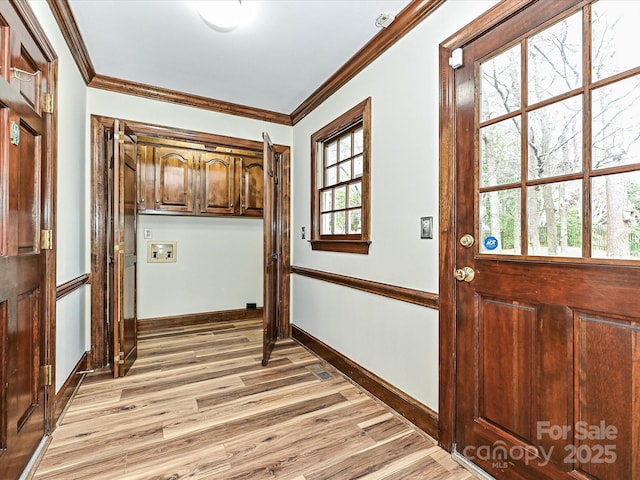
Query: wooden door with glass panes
x: 547, y: 116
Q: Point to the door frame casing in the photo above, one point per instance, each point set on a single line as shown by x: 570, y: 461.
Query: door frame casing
x: 99, y: 357
x: 448, y: 238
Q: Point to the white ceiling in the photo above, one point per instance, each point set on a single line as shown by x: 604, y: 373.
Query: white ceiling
x: 274, y: 62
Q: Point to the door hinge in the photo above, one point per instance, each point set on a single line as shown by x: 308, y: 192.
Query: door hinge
x: 47, y: 103
x: 46, y: 239
x: 119, y: 136
x: 47, y: 375
x: 121, y: 358
x: 15, y: 133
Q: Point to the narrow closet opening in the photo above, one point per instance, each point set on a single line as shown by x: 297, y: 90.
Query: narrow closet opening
x: 199, y: 230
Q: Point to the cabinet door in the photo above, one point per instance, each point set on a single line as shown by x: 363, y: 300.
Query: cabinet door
x: 146, y: 178
x: 252, y: 187
x: 217, y: 184
x: 174, y: 184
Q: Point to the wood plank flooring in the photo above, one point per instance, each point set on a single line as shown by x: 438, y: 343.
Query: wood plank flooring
x: 197, y: 404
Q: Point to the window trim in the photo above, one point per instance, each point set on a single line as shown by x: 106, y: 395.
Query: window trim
x: 338, y: 243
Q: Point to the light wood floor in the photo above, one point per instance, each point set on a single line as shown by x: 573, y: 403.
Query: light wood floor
x: 197, y: 404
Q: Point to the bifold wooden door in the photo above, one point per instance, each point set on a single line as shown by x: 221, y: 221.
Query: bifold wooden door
x: 26, y: 239
x: 123, y: 330
x: 547, y: 108
x: 271, y: 252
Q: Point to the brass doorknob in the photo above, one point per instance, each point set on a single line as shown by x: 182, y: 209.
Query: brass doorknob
x: 465, y: 274
x: 466, y: 241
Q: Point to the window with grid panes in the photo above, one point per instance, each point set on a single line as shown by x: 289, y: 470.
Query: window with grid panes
x: 340, y: 183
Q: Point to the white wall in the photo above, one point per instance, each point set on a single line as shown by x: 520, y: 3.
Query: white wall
x: 219, y: 261
x: 72, y: 215
x: 397, y: 341
x: 218, y: 265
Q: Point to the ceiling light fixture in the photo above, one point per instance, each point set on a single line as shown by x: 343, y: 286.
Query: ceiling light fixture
x: 221, y: 15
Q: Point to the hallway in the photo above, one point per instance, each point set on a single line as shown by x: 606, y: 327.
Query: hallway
x: 197, y: 404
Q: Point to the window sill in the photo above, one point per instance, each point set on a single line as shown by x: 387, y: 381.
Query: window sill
x: 346, y: 246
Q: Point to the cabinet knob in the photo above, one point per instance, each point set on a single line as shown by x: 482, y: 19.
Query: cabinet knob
x: 231, y: 205
x: 157, y: 201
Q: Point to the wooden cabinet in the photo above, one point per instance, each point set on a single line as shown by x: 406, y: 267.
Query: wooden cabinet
x: 174, y: 177
x: 251, y: 187
x: 217, y: 184
x: 184, y: 181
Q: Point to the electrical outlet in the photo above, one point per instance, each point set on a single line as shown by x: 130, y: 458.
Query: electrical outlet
x: 147, y: 234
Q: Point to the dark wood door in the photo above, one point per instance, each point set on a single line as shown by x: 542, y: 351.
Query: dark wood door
x: 124, y: 330
x: 271, y: 253
x: 25, y: 182
x: 217, y: 184
x: 252, y: 187
x: 174, y: 184
x: 548, y: 324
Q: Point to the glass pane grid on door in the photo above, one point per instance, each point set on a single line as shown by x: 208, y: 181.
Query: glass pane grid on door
x: 559, y: 144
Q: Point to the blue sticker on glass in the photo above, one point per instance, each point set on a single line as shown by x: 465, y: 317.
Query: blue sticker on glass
x: 491, y: 243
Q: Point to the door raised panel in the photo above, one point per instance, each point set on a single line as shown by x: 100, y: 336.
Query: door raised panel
x: 252, y: 196
x: 608, y: 362
x: 26, y: 77
x: 217, y: 184
x: 505, y: 362
x: 174, y: 179
x: 28, y: 192
x: 25, y: 376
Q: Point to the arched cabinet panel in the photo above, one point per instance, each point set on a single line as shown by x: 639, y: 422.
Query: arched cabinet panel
x: 217, y: 184
x: 189, y: 181
x: 252, y: 188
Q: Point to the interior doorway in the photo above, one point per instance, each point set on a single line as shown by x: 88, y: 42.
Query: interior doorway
x: 102, y: 129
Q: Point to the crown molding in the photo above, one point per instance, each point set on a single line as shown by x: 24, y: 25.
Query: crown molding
x: 71, y: 34
x: 165, y: 95
x: 407, y: 19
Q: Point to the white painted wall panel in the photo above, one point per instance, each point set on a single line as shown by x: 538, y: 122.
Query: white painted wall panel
x: 72, y: 167
x: 403, y: 336
x: 72, y: 247
x: 403, y: 84
x: 71, y: 343
x: 218, y: 265
x: 110, y: 104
